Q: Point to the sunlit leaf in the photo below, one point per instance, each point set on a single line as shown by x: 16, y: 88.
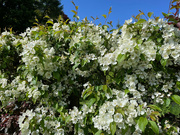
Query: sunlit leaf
x: 140, y: 21
x: 119, y: 110
x: 163, y: 62
x: 50, y: 22
x: 167, y: 102
x: 121, y: 57
x: 113, y: 127
x: 46, y: 16
x: 176, y: 99
x: 150, y: 14
x: 77, y: 7
x: 138, y: 16
x: 74, y: 12
x: 104, y: 16
x: 154, y: 127
x: 98, y: 132
x: 92, y: 18
x: 154, y: 107
x: 157, y: 18
x: 159, y: 40
x: 175, y: 109
x: 142, y: 122
x: 155, y: 113
x: 153, y: 117
x: 110, y: 10
x: 165, y: 15
x: 176, y: 6
x: 73, y: 3
x: 91, y: 102
x: 178, y: 84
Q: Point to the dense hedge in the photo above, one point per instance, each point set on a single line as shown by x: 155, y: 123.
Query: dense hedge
x: 80, y: 78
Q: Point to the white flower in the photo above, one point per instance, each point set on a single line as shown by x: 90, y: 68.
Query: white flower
x: 118, y: 117
x: 108, y: 117
x: 3, y: 82
x: 48, y: 75
x: 130, y: 121
x: 36, y: 94
x: 56, y: 26
x: 122, y: 102
x: 51, y: 51
x: 35, y: 132
x: 60, y: 132
x: 45, y: 87
x: 111, y: 110
x: 128, y: 21
x: 36, y: 59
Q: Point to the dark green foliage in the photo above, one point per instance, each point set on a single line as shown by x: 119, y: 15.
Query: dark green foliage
x: 20, y: 14
x: 52, y: 8
x: 16, y: 14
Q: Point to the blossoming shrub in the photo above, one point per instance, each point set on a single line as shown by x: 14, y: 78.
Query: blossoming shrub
x: 79, y: 78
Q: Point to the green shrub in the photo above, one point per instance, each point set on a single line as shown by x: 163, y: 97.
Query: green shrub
x: 80, y: 78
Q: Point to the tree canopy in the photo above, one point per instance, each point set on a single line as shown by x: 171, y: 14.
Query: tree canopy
x: 20, y: 14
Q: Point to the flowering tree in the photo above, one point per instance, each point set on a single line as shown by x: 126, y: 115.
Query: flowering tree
x: 80, y: 78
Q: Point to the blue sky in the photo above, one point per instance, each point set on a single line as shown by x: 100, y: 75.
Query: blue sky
x: 121, y: 9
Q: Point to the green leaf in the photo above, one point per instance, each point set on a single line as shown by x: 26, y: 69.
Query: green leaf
x: 124, y: 131
x: 51, y: 22
x: 47, y: 17
x: 154, y: 127
x: 142, y: 122
x: 157, y: 18
x: 165, y: 15
x: 60, y: 109
x: 74, y: 12
x: 175, y: 6
x: 87, y: 92
x: 175, y: 108
x: 155, y: 113
x: 150, y: 14
x: 110, y: 10
x: 159, y: 40
x: 136, y: 47
x: 56, y: 75
x: 154, y: 107
x: 76, y: 7
x: 113, y: 127
x: 105, y: 88
x: 121, y: 57
x: 163, y: 62
x: 178, y: 85
x: 119, y: 110
x: 143, y: 57
x: 83, y: 62
x: 139, y: 41
x: 173, y: 20
x: 98, y: 132
x: 75, y: 66
x: 176, y: 99
x: 140, y: 21
x: 167, y: 102
x: 67, y: 119
x: 104, y: 16
x: 91, y: 102
x: 126, y: 91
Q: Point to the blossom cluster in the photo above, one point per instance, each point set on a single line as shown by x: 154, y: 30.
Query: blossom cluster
x: 83, y: 79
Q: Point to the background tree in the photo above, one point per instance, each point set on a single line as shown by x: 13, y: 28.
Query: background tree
x: 52, y: 8
x: 17, y: 14
x: 20, y: 14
